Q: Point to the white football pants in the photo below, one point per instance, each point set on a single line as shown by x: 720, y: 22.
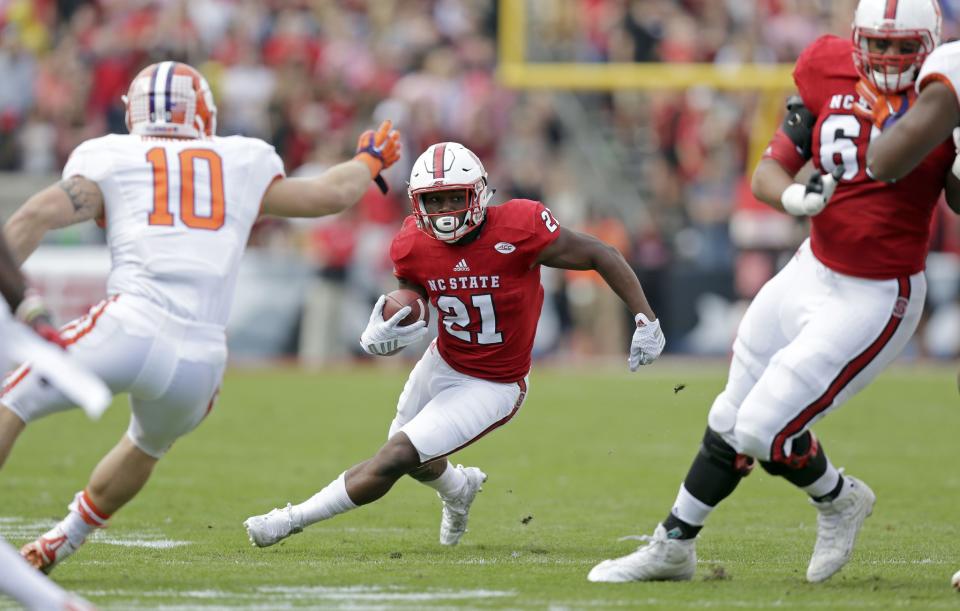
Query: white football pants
x: 171, y: 367
x: 442, y: 410
x: 811, y: 339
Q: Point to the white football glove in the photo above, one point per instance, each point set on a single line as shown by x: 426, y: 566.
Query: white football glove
x: 385, y: 336
x: 810, y: 199
x: 647, y: 344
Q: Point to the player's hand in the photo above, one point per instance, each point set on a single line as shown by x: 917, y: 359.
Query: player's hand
x: 379, y: 150
x: 881, y: 109
x: 647, y: 344
x: 385, y: 336
x: 810, y: 199
x: 33, y: 312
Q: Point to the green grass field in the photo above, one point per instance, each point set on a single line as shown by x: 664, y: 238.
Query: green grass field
x: 591, y: 457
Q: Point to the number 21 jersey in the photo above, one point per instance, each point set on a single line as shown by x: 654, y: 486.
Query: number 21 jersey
x: 178, y: 213
x: 487, y: 292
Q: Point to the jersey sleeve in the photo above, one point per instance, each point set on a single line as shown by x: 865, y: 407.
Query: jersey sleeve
x: 942, y: 65
x: 540, y: 227
x: 265, y: 167
x: 91, y: 159
x: 400, y: 253
x: 782, y: 150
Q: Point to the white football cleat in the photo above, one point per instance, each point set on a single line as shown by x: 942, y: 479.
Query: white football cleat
x: 273, y: 527
x: 49, y: 550
x: 838, y: 522
x: 453, y: 520
x: 661, y: 559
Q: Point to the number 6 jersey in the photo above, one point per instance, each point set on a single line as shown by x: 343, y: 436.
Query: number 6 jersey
x: 487, y: 292
x: 869, y: 229
x: 178, y: 214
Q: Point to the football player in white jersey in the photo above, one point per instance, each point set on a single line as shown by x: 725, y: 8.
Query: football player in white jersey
x: 178, y: 203
x: 18, y: 579
x: 934, y: 116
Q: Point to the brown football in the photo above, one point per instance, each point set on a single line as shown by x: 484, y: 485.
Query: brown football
x: 405, y: 297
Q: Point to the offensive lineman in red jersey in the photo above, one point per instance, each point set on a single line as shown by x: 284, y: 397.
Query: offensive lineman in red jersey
x: 837, y: 314
x: 480, y: 268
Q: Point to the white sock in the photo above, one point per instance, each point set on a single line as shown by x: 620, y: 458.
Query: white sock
x: 450, y: 483
x: 690, y: 509
x: 26, y: 584
x: 82, y: 519
x: 331, y: 501
x: 825, y: 483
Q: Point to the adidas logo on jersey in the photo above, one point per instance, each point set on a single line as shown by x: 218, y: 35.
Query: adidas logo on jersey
x: 461, y: 266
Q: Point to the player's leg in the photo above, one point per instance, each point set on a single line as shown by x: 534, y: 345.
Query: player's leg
x: 858, y: 330
x: 430, y: 434
x: 172, y: 387
x: 717, y: 467
x: 31, y: 589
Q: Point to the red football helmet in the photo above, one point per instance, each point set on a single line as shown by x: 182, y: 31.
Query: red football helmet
x: 889, y: 20
x: 170, y: 99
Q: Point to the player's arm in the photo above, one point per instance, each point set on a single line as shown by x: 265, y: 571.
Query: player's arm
x: 773, y: 181
x: 575, y: 250
x: 902, y: 147
x: 12, y: 285
x: 339, y: 187
x: 70, y: 201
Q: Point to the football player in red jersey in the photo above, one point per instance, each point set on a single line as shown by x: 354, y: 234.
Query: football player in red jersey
x: 837, y: 314
x: 480, y: 268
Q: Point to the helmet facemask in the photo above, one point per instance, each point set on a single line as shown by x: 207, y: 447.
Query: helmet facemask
x: 451, y: 225
x: 890, y: 72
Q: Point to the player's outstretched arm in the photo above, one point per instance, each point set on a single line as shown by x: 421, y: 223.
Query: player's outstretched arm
x: 70, y: 201
x: 12, y: 285
x: 575, y: 250
x: 342, y: 185
x: 902, y: 147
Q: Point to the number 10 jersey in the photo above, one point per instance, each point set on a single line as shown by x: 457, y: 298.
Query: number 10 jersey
x: 178, y: 213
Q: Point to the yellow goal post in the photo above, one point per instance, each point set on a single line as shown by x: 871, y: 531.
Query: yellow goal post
x: 773, y: 82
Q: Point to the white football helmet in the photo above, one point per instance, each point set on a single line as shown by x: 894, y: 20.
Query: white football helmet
x: 170, y: 99
x: 894, y: 19
x: 447, y: 166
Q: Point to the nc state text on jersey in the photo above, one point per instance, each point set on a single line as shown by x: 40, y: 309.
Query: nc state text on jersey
x: 465, y: 282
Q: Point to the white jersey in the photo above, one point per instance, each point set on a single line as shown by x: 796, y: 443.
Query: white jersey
x: 943, y: 65
x: 178, y: 215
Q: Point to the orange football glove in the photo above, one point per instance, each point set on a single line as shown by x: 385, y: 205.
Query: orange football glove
x: 881, y: 109
x: 379, y: 150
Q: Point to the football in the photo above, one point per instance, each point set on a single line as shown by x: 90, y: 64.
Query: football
x: 955, y: 582
x: 405, y: 297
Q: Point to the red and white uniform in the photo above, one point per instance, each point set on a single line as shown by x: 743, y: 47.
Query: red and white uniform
x: 488, y: 296
x: 851, y: 298
x: 178, y: 213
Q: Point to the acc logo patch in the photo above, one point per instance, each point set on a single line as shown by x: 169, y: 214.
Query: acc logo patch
x: 504, y: 248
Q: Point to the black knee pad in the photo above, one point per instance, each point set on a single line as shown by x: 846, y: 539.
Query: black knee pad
x: 723, y: 455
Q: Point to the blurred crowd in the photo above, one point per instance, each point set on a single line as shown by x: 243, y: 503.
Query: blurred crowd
x: 310, y: 75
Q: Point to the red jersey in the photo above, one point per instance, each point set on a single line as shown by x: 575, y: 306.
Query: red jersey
x: 487, y: 292
x: 869, y: 228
